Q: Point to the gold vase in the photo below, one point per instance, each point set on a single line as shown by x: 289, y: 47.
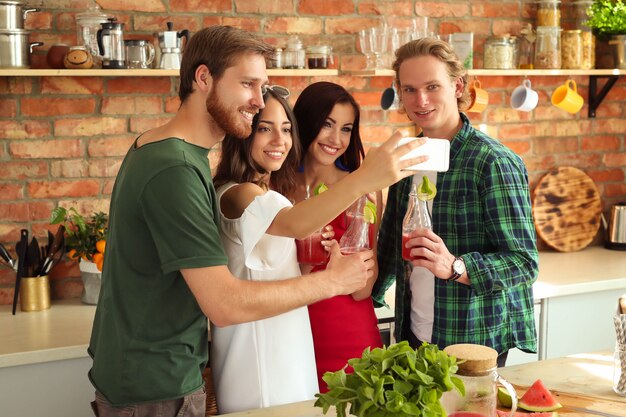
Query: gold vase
x: 35, y: 293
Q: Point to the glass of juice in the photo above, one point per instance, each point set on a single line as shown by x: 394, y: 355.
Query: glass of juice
x: 406, y: 252
x: 310, y: 250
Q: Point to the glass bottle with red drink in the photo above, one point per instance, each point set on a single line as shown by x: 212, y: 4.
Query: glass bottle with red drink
x: 310, y: 249
x: 417, y: 217
x: 356, y: 237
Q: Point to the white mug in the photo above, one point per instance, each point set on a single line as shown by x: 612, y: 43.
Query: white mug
x: 524, y: 98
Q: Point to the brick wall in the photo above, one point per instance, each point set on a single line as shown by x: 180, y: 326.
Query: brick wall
x: 62, y: 138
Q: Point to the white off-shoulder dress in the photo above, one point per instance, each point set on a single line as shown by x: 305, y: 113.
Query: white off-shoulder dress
x: 266, y: 362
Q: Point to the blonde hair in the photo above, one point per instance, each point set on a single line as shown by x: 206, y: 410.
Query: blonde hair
x: 440, y: 50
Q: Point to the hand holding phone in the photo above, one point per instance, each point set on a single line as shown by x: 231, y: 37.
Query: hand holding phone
x: 438, y: 151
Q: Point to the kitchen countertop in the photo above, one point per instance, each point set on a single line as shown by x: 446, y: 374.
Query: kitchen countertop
x: 589, y: 375
x: 63, y: 331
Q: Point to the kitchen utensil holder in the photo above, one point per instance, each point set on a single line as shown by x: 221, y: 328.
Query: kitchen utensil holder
x: 35, y: 293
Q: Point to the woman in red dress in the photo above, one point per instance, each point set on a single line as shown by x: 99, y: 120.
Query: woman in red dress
x: 328, y: 124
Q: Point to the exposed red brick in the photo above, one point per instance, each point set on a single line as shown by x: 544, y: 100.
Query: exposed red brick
x: 25, y: 212
x: 104, y: 167
x: 246, y: 23
x: 142, y: 124
x: 132, y: 105
x: 17, y: 170
x: 57, y: 189
x: 291, y: 25
x: 600, y: 143
x: 132, y: 5
x: 326, y: 8
x: 172, y: 104
x: 606, y: 175
x: 11, y: 191
x: 46, y: 149
x: 376, y: 134
x: 24, y: 130
x: 615, y: 190
x: 615, y: 159
x: 158, y: 23
x: 264, y: 7
x: 367, y: 98
x: 212, y: 20
x: 348, y: 25
x: 201, y: 6
x: 145, y: 85
x: 16, y: 85
x: 519, y: 147
x: 65, y: 21
x: 495, y: 10
x: 69, y: 168
x: 72, y: 85
x: 8, y: 108
x: 110, y: 146
x: 445, y: 10
x: 53, y: 106
x: 89, y: 126
x: 393, y: 8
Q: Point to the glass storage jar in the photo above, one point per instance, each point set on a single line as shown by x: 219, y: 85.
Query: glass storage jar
x: 571, y: 49
x: 500, y: 52
x: 548, y: 48
x: 319, y: 56
x: 293, y: 55
x: 549, y: 13
x: 588, y: 39
x: 276, y: 61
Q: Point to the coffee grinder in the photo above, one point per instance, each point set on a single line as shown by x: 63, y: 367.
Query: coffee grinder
x: 171, y: 45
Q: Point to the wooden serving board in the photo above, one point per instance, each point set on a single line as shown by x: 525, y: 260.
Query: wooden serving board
x: 575, y: 405
x: 566, y: 209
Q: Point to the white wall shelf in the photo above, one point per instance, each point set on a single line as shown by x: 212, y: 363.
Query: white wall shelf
x: 17, y: 72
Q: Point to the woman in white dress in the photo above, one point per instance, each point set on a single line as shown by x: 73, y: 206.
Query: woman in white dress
x: 267, y: 362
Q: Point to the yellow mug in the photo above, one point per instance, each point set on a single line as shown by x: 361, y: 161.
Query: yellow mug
x: 479, y: 98
x: 566, y: 97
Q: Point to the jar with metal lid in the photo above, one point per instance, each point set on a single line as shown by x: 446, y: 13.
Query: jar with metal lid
x: 477, y: 368
x: 548, y: 48
x: 500, y: 52
x: 293, y: 56
x: 571, y: 49
x: 319, y: 56
x: 549, y: 13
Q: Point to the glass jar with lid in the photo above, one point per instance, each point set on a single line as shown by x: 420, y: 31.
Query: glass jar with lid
x: 500, y: 52
x: 571, y: 49
x: 548, y: 48
x: 581, y: 8
x: 319, y: 56
x: 276, y: 61
x: 293, y: 55
x: 549, y: 13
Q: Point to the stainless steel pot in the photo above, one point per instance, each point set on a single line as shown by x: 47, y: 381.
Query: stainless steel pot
x: 15, y: 48
x: 616, y: 228
x: 13, y: 13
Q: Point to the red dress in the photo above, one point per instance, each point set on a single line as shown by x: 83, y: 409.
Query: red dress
x: 341, y: 326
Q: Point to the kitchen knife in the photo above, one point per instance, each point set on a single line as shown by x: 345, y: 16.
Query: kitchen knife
x: 4, y: 253
x: 55, y: 246
x: 22, y: 249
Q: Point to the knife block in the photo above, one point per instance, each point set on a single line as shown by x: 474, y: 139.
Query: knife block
x: 35, y: 293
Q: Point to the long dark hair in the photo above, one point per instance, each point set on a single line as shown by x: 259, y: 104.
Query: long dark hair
x: 236, y: 163
x: 312, y: 109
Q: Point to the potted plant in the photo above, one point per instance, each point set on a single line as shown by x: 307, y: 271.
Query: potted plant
x: 85, y: 241
x: 607, y: 19
x: 393, y: 381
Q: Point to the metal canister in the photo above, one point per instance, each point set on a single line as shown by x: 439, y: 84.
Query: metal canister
x: 15, y: 48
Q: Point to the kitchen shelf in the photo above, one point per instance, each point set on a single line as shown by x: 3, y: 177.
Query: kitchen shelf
x: 505, y: 73
x: 145, y: 72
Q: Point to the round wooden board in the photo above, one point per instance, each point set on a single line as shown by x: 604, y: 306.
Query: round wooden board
x: 566, y: 209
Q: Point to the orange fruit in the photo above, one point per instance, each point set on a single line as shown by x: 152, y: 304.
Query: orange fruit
x: 101, y: 245
x: 72, y: 254
x: 100, y: 263
x: 97, y: 257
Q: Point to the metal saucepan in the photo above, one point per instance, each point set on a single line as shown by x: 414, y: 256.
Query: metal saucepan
x: 13, y: 13
x: 15, y: 48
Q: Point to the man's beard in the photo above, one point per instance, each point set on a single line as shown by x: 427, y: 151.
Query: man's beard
x: 226, y: 119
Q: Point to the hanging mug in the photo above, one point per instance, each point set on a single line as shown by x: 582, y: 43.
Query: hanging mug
x: 479, y: 98
x: 566, y: 97
x: 524, y: 98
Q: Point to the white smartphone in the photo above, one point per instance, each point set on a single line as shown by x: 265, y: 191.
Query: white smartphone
x: 438, y: 151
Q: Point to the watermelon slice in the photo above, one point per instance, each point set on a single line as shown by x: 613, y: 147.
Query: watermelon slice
x: 502, y: 413
x: 538, y: 398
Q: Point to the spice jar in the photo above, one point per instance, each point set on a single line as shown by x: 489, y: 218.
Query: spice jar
x: 548, y: 13
x: 588, y: 60
x: 276, y: 61
x: 319, y: 56
x: 548, y: 48
x: 571, y: 49
x: 500, y: 52
x: 293, y: 56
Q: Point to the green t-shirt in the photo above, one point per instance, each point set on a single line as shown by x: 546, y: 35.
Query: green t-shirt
x: 149, y: 339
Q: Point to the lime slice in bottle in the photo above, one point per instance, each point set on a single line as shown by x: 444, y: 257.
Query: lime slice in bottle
x: 321, y: 187
x: 369, y: 212
x: 426, y: 190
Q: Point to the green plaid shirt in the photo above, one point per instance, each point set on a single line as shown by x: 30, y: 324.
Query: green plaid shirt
x: 482, y: 212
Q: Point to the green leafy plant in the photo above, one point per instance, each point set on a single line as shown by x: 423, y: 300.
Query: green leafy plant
x: 396, y: 381
x: 84, y: 237
x: 607, y: 18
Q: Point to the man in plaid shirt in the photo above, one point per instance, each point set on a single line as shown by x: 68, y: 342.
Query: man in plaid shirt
x: 475, y: 283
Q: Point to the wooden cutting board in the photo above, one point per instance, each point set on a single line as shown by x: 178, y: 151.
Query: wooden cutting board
x: 566, y: 209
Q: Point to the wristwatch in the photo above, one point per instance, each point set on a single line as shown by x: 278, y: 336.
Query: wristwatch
x: 458, y: 269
